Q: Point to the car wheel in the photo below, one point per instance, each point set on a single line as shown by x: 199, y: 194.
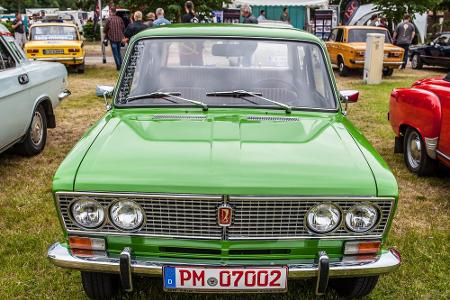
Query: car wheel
x: 343, y: 69
x: 100, y: 285
x: 80, y: 68
x: 388, y: 71
x: 36, y: 136
x: 416, y: 62
x: 415, y: 154
x: 354, y: 287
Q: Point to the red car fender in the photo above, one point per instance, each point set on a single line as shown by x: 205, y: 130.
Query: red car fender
x: 417, y: 108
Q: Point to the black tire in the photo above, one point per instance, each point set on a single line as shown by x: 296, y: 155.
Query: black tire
x: 100, y: 285
x: 388, y: 71
x: 80, y: 68
x: 35, y: 138
x: 354, y: 287
x: 343, y: 69
x: 415, y: 154
x: 416, y: 62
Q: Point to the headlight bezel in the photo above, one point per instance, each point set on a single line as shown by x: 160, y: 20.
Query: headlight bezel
x: 121, y: 229
x: 374, y: 225
x: 74, y: 220
x: 338, y: 224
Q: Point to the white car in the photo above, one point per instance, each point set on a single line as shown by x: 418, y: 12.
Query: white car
x: 29, y: 91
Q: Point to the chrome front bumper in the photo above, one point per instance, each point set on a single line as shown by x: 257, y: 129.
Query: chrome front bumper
x: 388, y: 261
x: 61, y: 59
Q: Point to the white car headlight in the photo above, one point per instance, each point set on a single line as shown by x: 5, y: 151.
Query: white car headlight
x: 87, y: 213
x: 323, y: 218
x: 361, y: 217
x: 126, y: 215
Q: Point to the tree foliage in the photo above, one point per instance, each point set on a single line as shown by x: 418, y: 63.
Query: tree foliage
x: 395, y: 9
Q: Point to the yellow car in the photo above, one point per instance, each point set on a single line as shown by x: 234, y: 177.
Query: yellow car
x: 59, y: 42
x: 347, y: 44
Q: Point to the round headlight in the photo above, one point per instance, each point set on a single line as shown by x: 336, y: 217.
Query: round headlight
x: 361, y: 217
x: 323, y: 218
x: 87, y: 213
x: 126, y: 215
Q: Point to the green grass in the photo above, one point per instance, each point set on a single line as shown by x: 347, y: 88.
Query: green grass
x: 28, y: 221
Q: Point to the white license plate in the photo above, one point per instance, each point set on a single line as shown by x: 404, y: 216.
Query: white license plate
x: 225, y: 279
x: 54, y: 51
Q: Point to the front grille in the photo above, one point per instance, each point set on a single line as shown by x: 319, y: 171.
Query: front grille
x: 255, y: 217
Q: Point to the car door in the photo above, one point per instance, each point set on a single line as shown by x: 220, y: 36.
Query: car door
x: 443, y: 50
x: 444, y: 138
x: 13, y: 97
x: 331, y: 45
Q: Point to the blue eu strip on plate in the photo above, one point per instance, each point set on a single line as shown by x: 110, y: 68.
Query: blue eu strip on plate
x: 169, y: 278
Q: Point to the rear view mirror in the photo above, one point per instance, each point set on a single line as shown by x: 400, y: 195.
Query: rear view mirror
x: 350, y: 96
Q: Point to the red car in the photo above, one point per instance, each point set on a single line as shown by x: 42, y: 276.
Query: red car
x: 420, y: 117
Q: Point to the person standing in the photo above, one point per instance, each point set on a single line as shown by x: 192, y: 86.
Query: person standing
x: 246, y: 12
x: 150, y: 19
x: 114, y: 33
x: 135, y: 27
x: 262, y: 16
x: 160, y: 18
x: 19, y: 30
x: 285, y: 16
x: 189, y: 16
x: 404, y: 35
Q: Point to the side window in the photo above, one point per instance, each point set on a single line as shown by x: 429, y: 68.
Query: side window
x: 6, y: 59
x: 333, y: 35
x: 339, y: 35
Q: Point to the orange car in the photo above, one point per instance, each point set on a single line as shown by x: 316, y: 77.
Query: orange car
x: 347, y: 44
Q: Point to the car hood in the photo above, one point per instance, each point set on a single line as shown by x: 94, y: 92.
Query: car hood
x: 225, y: 153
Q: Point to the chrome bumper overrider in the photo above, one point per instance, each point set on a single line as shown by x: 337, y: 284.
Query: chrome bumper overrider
x: 349, y: 266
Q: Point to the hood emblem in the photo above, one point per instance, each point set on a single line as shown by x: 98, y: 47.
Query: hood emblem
x: 224, y: 215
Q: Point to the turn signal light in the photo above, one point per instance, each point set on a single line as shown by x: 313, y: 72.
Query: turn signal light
x: 74, y: 50
x: 361, y: 247
x: 86, y: 243
x: 32, y: 51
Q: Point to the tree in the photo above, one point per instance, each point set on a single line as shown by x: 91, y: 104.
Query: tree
x: 395, y: 9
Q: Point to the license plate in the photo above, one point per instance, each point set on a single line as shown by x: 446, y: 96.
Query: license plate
x: 54, y: 51
x: 222, y: 279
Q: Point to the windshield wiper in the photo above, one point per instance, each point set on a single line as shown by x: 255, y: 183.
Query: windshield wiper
x: 242, y: 93
x: 166, y: 96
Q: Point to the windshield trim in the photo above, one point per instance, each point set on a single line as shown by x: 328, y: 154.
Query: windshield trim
x: 328, y: 68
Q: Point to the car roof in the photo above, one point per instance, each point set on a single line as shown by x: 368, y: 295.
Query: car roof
x: 228, y: 30
x: 54, y: 24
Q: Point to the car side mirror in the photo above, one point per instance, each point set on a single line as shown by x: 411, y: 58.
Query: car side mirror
x: 106, y: 92
x: 349, y: 96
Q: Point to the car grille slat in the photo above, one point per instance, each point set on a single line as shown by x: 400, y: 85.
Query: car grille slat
x: 254, y: 217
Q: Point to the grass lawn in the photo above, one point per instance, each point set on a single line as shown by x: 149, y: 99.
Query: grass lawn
x: 28, y: 221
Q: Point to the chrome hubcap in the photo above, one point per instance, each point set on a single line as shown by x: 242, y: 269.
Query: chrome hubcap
x: 37, y: 128
x: 414, y: 150
x: 341, y: 66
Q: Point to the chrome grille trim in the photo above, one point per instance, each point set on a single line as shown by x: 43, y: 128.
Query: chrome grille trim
x: 273, y: 118
x: 187, y: 216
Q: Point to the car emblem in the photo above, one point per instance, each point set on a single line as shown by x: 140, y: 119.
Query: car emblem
x: 224, y: 215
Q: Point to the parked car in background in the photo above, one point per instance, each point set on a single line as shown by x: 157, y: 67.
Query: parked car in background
x: 59, y: 42
x: 420, y: 117
x: 435, y: 53
x: 231, y: 168
x: 347, y: 47
x: 29, y: 91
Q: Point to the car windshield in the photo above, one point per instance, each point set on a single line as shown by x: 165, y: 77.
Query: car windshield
x: 293, y: 74
x: 44, y: 33
x: 360, y: 35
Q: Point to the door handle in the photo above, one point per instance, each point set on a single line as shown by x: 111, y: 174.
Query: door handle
x: 23, y: 79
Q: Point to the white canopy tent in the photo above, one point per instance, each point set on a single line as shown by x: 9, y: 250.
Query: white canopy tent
x: 283, y: 2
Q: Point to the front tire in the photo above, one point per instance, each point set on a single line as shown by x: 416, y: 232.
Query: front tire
x: 415, y: 154
x: 36, y: 136
x: 354, y: 287
x: 388, y: 71
x: 416, y: 62
x: 343, y: 69
x: 100, y: 285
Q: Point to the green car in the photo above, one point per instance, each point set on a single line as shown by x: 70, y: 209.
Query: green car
x: 226, y: 163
